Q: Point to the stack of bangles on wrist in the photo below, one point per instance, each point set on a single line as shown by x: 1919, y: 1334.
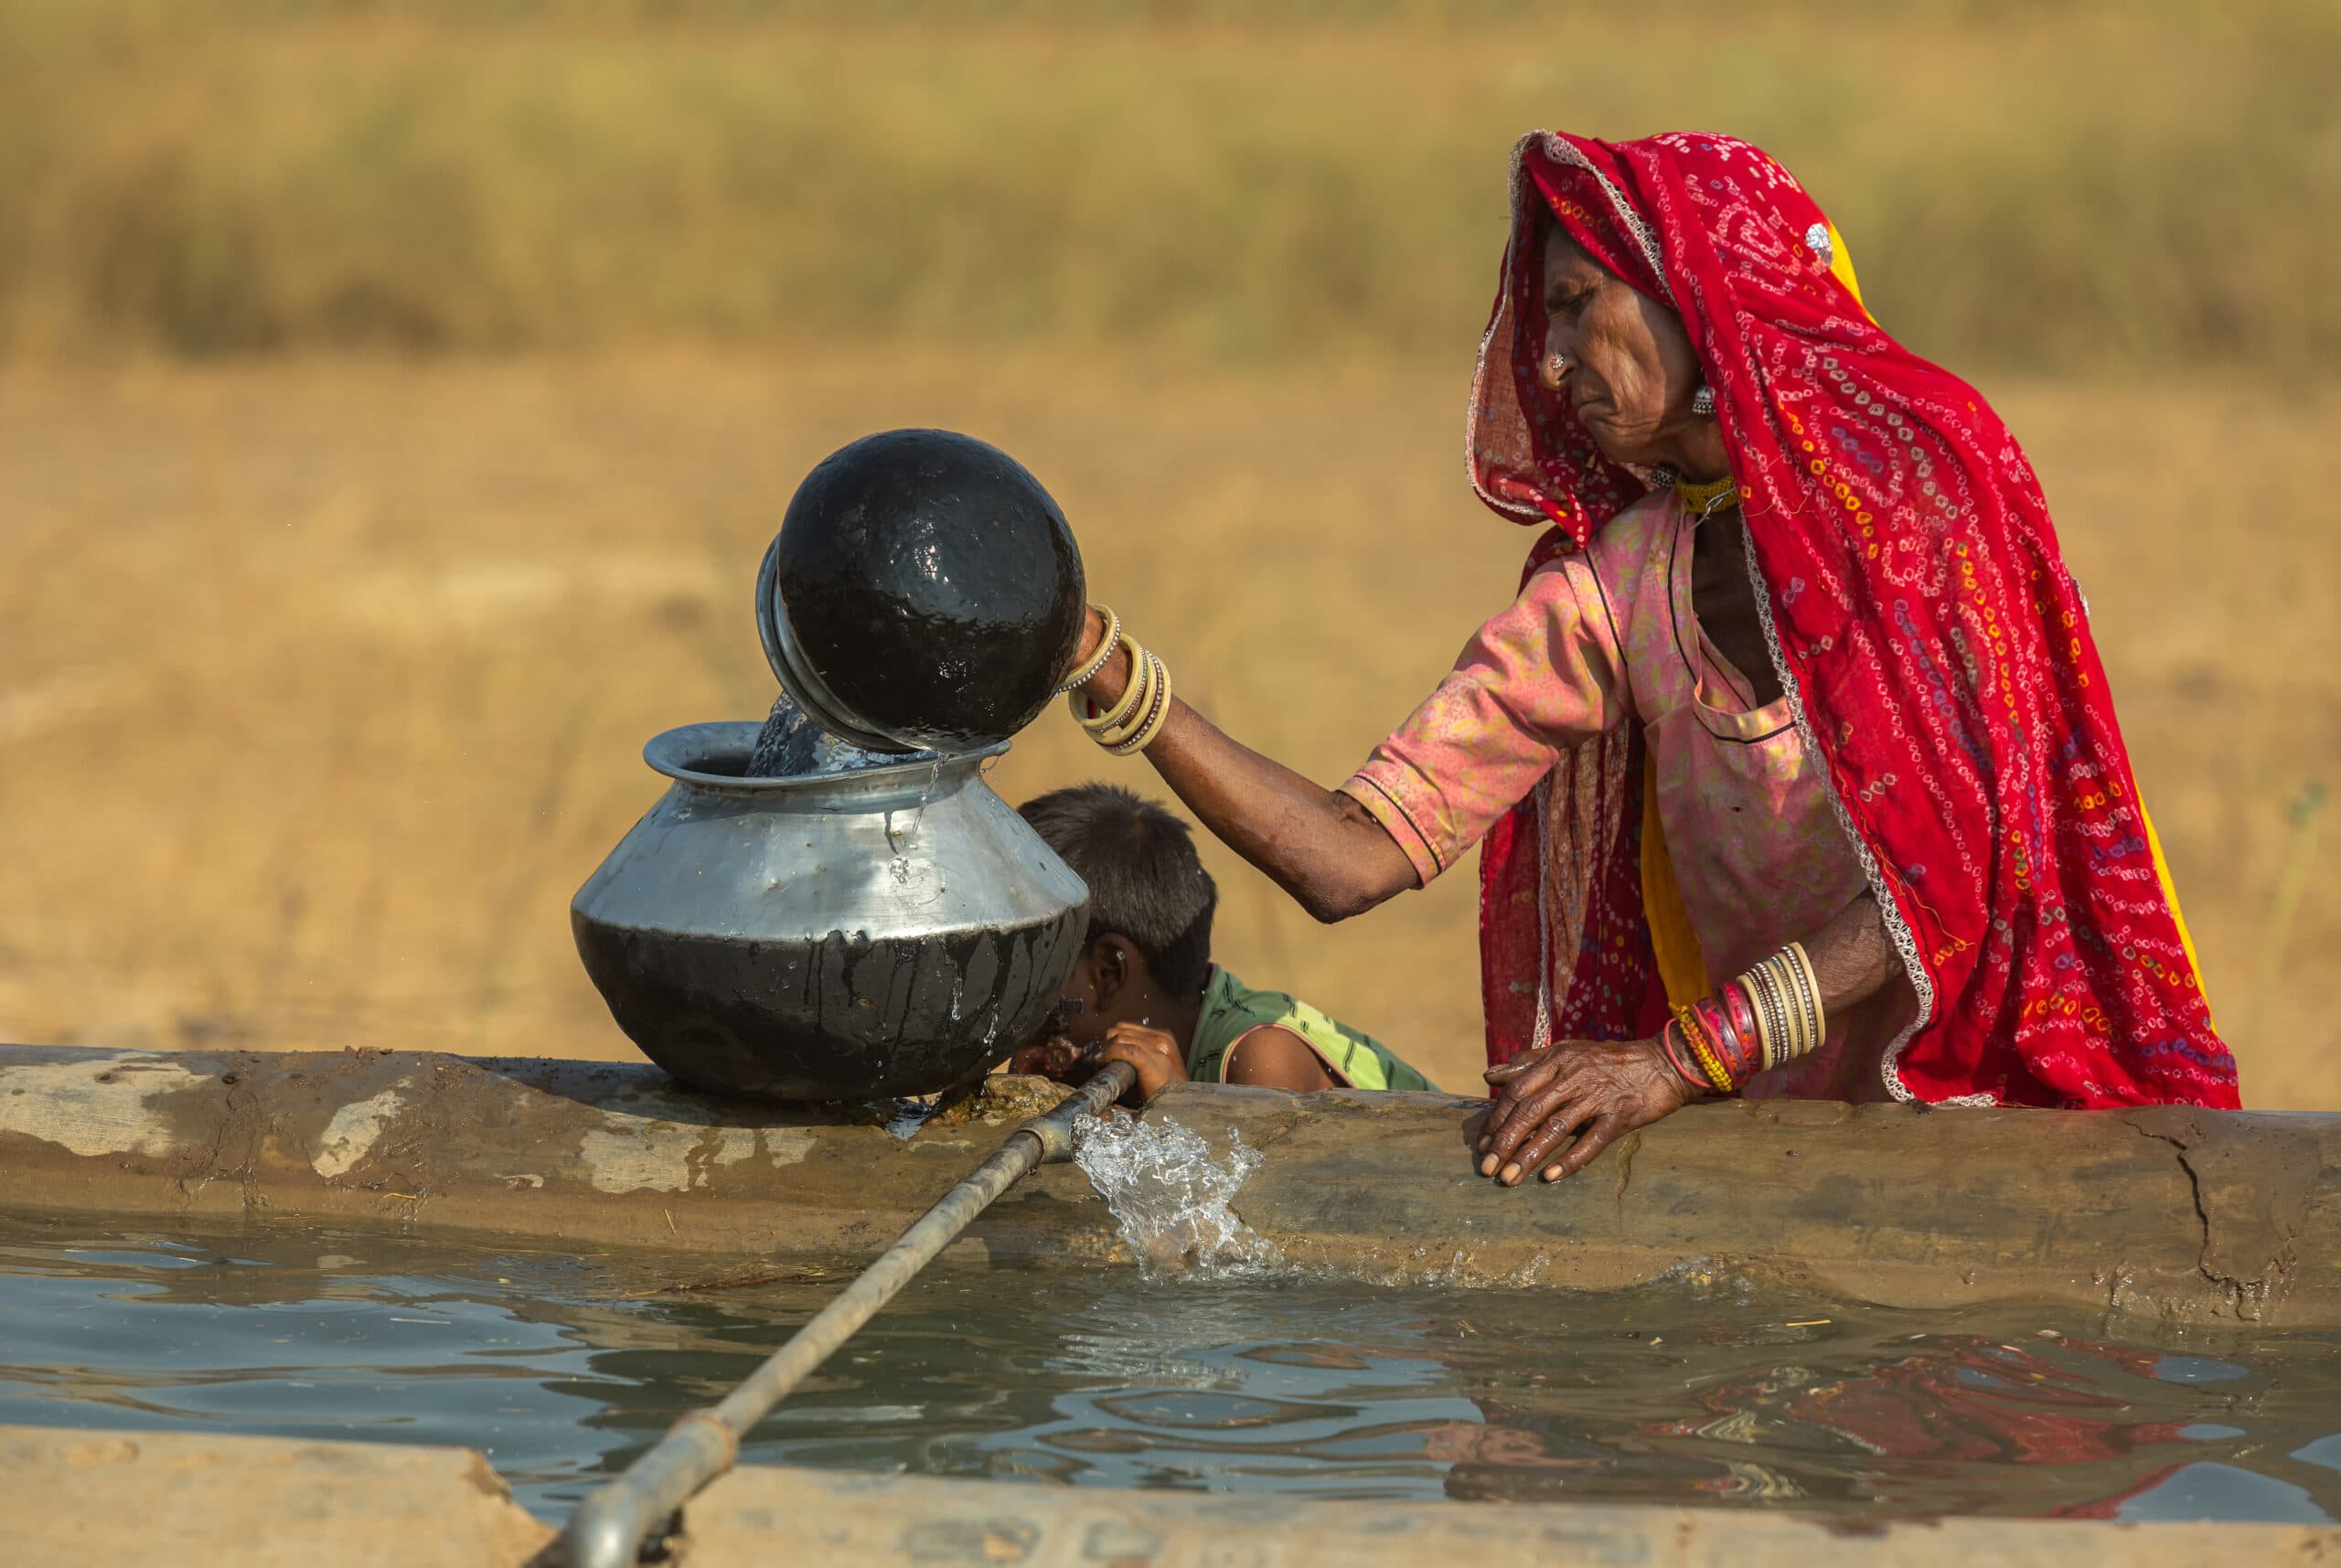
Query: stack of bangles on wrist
x: 1131, y: 724
x: 1770, y: 1015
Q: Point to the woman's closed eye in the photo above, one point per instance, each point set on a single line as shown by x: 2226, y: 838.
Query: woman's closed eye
x: 1568, y: 306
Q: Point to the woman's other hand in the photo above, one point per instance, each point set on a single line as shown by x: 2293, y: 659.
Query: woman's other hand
x: 1155, y: 1055
x: 1598, y: 1090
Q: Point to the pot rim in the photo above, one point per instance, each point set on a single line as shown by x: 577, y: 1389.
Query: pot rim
x: 796, y: 675
x: 672, y: 753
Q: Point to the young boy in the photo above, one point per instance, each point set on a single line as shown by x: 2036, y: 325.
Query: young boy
x: 1148, y: 990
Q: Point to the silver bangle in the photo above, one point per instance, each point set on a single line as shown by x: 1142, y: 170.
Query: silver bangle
x: 1809, y: 984
x: 1792, y: 1043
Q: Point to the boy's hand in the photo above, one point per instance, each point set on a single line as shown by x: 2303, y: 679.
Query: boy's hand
x: 1155, y: 1054
x: 1055, y: 1057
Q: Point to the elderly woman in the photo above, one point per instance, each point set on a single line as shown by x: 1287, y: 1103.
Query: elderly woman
x: 1796, y: 766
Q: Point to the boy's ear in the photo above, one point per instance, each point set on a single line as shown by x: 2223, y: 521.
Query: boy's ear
x: 1116, y: 967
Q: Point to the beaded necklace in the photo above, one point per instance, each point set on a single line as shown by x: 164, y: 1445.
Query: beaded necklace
x: 1701, y: 500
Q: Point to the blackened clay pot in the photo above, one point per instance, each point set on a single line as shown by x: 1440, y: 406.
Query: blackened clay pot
x: 924, y: 593
x: 836, y: 936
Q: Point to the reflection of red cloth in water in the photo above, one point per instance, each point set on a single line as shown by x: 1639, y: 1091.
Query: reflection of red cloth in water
x: 1937, y: 653
x: 1975, y: 1400
x: 2030, y: 1412
x: 1969, y: 1401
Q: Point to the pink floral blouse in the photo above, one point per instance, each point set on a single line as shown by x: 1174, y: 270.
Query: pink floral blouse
x: 1606, y: 638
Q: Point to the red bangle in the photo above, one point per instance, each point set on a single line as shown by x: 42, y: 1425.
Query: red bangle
x: 1691, y: 1076
x: 1744, y: 1042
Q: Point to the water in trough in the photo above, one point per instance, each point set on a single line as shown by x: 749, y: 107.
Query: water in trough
x: 1695, y: 1390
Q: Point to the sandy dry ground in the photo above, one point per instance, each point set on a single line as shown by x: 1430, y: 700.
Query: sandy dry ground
x: 322, y: 686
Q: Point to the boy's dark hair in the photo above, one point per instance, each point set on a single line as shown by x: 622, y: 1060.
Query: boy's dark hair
x: 1146, y: 883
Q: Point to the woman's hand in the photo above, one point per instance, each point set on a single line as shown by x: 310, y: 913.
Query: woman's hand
x: 1598, y: 1090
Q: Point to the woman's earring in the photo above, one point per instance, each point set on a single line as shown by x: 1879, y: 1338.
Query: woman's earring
x: 1556, y: 366
x: 1702, y: 401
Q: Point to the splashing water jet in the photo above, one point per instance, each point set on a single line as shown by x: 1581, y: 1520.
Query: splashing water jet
x: 1169, y: 1195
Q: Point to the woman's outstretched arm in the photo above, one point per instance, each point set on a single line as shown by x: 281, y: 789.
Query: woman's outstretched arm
x: 1317, y: 844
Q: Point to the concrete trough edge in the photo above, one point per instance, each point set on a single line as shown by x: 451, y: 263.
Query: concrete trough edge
x: 97, y: 1498
x: 2183, y: 1215
x: 87, y: 1498
x: 822, y: 1518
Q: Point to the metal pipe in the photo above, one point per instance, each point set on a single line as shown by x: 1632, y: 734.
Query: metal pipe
x: 608, y: 1527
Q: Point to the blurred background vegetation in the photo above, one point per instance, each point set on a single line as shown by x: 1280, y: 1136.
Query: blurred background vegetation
x: 395, y: 399
x: 2037, y: 185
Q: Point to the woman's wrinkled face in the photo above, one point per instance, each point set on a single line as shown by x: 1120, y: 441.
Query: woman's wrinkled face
x: 1620, y: 357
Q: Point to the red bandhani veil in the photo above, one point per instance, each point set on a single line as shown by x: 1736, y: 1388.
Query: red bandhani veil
x: 1935, y: 651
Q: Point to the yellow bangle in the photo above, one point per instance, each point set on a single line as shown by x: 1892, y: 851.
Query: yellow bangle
x: 1083, y: 674
x: 1149, y: 690
x: 1157, y: 716
x: 1710, y: 1060
x: 1132, y: 695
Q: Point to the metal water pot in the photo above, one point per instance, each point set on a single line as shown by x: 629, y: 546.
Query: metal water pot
x: 848, y: 935
x: 924, y: 591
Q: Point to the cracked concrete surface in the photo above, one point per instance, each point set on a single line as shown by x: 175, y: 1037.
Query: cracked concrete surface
x: 2180, y: 1214
x: 2252, y: 1181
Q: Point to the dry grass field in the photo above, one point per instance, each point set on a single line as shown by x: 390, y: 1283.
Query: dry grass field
x: 395, y: 400
x: 321, y: 681
x: 2030, y: 183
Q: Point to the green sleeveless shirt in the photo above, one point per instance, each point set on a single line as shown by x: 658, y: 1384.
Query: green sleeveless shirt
x: 1232, y: 1010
